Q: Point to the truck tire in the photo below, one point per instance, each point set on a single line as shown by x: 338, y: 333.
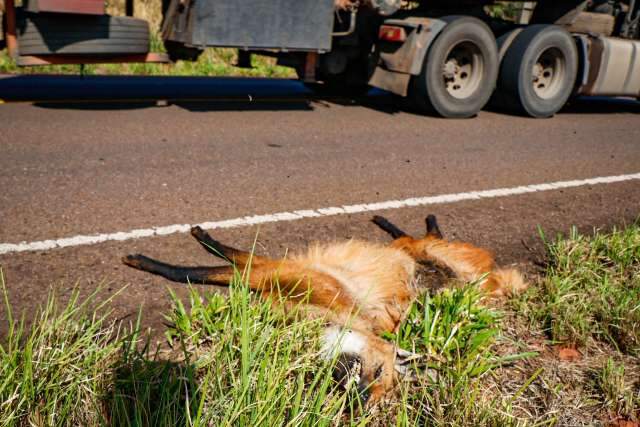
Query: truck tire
x: 44, y: 34
x: 538, y: 72
x: 459, y: 71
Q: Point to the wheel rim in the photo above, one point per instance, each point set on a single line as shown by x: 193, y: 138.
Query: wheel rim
x: 463, y: 70
x: 548, y: 73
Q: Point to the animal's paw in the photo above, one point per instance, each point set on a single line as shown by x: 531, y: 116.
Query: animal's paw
x: 134, y: 261
x: 197, y: 232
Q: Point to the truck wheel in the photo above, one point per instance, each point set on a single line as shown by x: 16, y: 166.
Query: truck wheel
x: 44, y: 34
x: 459, y: 72
x: 538, y: 72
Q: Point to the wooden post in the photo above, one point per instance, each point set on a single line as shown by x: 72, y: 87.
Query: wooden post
x: 244, y: 59
x: 128, y: 7
x: 310, y: 63
x: 12, y: 41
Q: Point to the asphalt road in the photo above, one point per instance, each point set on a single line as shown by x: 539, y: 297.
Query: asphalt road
x: 82, y: 168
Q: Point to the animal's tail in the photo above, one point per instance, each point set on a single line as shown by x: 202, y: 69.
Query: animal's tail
x: 471, y: 263
x: 504, y: 282
x: 467, y: 262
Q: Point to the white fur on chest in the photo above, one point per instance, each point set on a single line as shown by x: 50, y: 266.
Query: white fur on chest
x: 337, y: 340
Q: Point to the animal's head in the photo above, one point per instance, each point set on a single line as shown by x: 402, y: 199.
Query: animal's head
x: 368, y: 362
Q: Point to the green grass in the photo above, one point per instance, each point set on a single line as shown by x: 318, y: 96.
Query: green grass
x: 212, y: 62
x: 589, y: 299
x: 612, y: 385
x: 53, y: 372
x: 591, y: 290
x: 457, y: 335
x: 237, y: 360
x: 451, y: 327
x: 504, y: 10
x: 234, y: 362
x: 229, y: 360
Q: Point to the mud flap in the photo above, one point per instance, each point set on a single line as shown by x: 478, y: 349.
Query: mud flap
x: 397, y: 83
x: 398, y: 62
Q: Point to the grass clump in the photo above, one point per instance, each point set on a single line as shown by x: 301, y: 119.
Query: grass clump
x: 233, y: 360
x: 614, y: 390
x: 456, y: 334
x: 252, y: 365
x: 591, y: 290
x: 451, y: 327
x: 55, y: 372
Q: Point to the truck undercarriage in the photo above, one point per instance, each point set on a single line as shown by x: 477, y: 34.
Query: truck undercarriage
x: 448, y: 57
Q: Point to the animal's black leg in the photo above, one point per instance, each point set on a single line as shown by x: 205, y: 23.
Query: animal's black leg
x: 197, y: 275
x: 432, y: 227
x: 385, y: 225
x: 232, y: 255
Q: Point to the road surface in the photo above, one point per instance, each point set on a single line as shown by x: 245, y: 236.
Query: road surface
x: 74, y: 170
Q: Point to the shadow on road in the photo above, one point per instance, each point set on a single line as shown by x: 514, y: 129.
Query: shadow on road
x: 204, y: 94
x: 601, y: 105
x: 193, y: 106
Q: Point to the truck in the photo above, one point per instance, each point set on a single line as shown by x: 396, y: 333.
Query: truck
x: 449, y: 58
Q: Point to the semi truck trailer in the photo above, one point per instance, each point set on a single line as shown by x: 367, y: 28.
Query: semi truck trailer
x: 446, y: 57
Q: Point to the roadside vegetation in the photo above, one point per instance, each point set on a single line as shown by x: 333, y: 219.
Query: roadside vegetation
x: 564, y: 353
x: 212, y: 62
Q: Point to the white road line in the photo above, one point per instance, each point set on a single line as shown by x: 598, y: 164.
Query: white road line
x: 79, y: 240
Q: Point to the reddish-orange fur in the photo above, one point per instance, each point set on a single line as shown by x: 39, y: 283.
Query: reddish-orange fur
x: 363, y: 286
x: 468, y: 262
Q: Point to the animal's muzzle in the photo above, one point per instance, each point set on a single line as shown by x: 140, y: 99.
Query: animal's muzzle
x: 364, y: 392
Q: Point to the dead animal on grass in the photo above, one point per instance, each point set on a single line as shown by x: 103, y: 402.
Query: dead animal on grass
x: 361, y: 290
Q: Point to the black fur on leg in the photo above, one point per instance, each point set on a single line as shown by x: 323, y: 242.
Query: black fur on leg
x: 227, y: 253
x: 432, y: 227
x: 385, y: 225
x: 210, y: 245
x: 175, y: 273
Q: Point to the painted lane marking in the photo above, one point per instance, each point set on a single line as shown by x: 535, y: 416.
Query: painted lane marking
x: 80, y: 240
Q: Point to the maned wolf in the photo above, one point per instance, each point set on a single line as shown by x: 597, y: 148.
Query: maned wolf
x: 361, y: 289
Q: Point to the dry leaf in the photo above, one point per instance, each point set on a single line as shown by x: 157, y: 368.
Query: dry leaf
x: 569, y: 354
x: 625, y: 423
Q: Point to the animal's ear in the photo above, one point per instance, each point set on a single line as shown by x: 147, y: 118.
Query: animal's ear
x: 432, y: 227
